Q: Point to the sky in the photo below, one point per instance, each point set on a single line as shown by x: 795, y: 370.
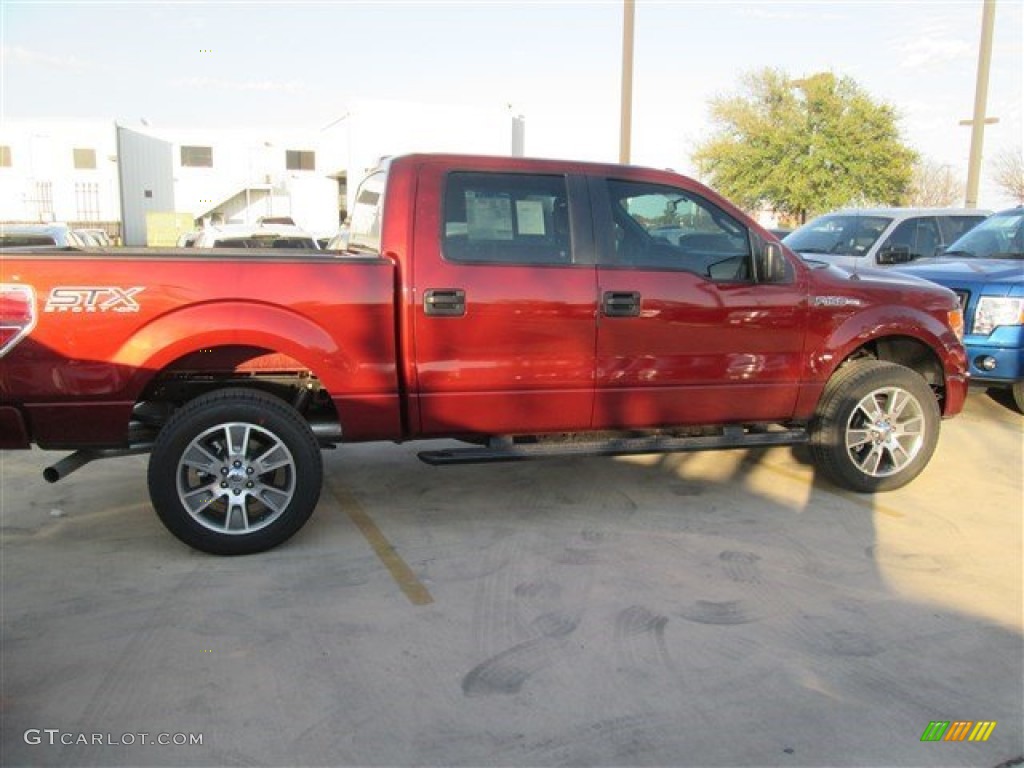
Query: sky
x: 222, y: 64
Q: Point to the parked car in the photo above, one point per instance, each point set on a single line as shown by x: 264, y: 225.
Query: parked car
x: 524, y: 306
x: 985, y: 268
x: 52, y: 236
x: 878, y: 237
x: 259, y: 236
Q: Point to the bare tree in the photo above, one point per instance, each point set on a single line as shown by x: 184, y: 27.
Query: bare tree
x: 1007, y: 170
x: 934, y: 186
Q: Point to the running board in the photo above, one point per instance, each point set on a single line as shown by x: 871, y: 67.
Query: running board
x: 731, y: 437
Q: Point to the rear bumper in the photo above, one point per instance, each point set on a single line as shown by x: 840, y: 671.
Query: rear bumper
x: 13, y: 430
x: 65, y: 425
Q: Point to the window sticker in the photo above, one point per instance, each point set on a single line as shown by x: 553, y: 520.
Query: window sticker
x: 488, y: 217
x: 530, y: 215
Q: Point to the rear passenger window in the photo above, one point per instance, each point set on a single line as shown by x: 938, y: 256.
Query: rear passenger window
x: 506, y: 219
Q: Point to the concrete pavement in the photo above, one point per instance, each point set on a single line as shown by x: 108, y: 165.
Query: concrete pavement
x: 710, y: 609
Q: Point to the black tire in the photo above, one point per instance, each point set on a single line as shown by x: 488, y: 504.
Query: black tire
x: 235, y: 472
x: 876, y: 426
x: 1018, y: 395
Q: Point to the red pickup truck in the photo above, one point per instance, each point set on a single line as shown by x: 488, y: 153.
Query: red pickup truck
x: 527, y: 307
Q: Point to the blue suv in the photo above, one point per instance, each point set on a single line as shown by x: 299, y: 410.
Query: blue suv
x: 985, y: 268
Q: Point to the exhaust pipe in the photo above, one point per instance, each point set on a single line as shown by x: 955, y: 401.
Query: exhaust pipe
x: 79, y: 459
x: 326, y: 432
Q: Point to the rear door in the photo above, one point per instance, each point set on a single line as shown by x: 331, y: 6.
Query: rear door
x: 686, y: 335
x: 504, y: 303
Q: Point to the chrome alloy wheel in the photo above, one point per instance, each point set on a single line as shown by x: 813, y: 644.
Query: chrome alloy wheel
x: 236, y: 478
x: 885, y: 432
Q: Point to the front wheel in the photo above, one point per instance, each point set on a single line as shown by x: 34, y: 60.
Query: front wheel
x: 235, y: 472
x: 876, y: 427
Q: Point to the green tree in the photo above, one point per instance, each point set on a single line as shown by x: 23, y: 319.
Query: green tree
x: 805, y: 146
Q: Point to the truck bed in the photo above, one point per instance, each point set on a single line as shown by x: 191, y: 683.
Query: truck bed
x: 108, y: 321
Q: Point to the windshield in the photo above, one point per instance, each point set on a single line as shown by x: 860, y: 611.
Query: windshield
x: 844, y: 235
x: 998, y: 237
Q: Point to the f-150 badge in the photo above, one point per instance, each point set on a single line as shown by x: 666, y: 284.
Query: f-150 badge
x: 93, y: 298
x: 837, y: 301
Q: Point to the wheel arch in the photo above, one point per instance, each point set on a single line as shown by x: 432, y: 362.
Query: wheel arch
x: 192, y: 351
x: 907, y: 351
x: 192, y: 332
x: 918, y: 346
x: 240, y: 366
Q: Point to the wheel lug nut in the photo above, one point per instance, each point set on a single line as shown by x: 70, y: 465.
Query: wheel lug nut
x: 249, y: 485
x: 249, y: 470
x: 223, y: 470
x: 223, y: 485
x: 237, y: 464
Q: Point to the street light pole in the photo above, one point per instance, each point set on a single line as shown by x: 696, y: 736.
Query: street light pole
x: 626, y: 120
x: 988, y: 15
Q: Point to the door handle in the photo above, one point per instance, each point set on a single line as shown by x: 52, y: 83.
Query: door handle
x: 621, y: 303
x: 444, y: 302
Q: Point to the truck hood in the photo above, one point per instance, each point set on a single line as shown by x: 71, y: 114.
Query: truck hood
x: 834, y: 285
x: 966, y: 273
x: 870, y: 275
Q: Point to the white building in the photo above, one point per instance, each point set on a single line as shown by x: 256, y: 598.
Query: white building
x: 120, y: 174
x: 234, y: 176
x: 58, y: 171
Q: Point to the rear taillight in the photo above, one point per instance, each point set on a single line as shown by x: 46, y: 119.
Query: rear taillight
x: 17, y: 314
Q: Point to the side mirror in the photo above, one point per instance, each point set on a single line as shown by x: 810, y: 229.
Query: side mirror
x: 770, y: 264
x: 895, y: 254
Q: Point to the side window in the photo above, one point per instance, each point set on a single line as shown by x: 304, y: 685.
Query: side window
x: 657, y: 227
x: 954, y: 226
x: 919, y: 236
x: 506, y: 219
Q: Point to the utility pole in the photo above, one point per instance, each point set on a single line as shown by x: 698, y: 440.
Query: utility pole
x: 988, y: 17
x: 626, y: 119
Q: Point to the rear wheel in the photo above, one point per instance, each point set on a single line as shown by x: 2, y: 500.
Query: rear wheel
x: 235, y: 472
x: 876, y: 427
x: 1018, y: 395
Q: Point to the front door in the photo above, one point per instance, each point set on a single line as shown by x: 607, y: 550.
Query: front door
x: 686, y: 335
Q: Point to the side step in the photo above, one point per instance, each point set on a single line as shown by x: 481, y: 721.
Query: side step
x: 507, y: 450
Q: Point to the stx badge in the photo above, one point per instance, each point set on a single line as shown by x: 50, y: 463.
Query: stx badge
x: 93, y: 298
